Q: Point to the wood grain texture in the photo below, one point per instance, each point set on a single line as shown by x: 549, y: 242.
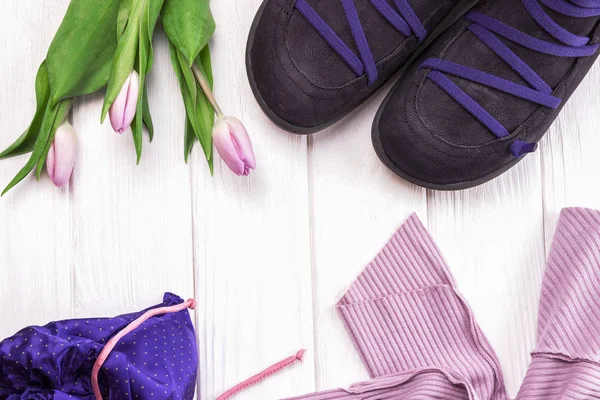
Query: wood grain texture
x: 356, y: 205
x: 492, y: 238
x: 570, y: 168
x: 251, y: 239
x: 36, y: 258
x: 267, y: 257
x: 131, y: 223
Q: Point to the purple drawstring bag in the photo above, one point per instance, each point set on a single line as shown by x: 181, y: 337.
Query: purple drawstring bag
x: 155, y: 357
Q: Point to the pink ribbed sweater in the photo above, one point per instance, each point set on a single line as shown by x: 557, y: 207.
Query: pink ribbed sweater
x: 419, y: 340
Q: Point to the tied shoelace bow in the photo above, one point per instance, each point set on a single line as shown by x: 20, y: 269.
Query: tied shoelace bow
x: 406, y: 22
x: 487, y: 29
x: 191, y: 304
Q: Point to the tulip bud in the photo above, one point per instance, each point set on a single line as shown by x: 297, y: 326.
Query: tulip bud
x: 62, y: 154
x: 233, y: 144
x: 122, y: 111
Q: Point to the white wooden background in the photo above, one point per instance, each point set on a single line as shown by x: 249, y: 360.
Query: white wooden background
x: 267, y: 257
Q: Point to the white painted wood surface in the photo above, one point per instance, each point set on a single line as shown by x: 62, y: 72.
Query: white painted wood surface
x: 266, y: 257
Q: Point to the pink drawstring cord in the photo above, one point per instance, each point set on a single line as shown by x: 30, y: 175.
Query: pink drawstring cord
x: 259, y: 377
x: 191, y: 304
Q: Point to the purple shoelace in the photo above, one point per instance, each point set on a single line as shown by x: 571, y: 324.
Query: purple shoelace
x: 487, y: 29
x: 405, y: 21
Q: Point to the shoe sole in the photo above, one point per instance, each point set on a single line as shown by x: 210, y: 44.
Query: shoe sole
x: 457, y: 12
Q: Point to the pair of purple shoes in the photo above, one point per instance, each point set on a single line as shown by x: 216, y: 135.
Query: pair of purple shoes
x: 476, y: 101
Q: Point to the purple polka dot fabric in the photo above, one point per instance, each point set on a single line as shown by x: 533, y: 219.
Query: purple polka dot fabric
x: 157, y: 361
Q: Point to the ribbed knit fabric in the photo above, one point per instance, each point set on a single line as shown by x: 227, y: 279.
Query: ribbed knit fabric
x: 419, y: 340
x: 566, y: 361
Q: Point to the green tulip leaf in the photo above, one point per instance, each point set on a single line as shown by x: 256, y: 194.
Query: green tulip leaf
x: 148, y: 25
x: 189, y: 25
x: 150, y: 12
x: 54, y: 115
x: 198, y: 110
x: 123, y: 17
x: 81, y: 53
x: 189, y: 132
x: 138, y: 121
x: 136, y: 131
x: 134, y: 44
x: 24, y: 144
x: 205, y: 64
x: 147, y: 118
x: 211, y: 166
x: 188, y: 78
x: 188, y: 89
x: 198, y: 105
x: 189, y: 138
x: 61, y: 115
x: 125, y: 57
x: 134, y: 52
x: 205, y: 114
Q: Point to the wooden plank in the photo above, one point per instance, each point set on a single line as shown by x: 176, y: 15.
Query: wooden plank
x: 356, y: 205
x: 132, y: 224
x: 569, y: 154
x: 492, y: 237
x: 569, y: 151
x: 35, y: 255
x: 251, y: 239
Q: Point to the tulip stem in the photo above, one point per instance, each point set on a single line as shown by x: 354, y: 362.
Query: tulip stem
x: 206, y: 89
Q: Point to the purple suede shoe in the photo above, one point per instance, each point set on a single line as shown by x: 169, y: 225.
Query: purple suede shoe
x: 311, y: 62
x: 486, y: 91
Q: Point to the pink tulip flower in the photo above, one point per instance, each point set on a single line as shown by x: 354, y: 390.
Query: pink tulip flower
x: 62, y: 155
x: 233, y: 144
x: 122, y: 111
x: 229, y: 135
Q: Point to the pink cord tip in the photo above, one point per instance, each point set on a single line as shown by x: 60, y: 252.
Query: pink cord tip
x: 192, y: 305
x: 300, y: 354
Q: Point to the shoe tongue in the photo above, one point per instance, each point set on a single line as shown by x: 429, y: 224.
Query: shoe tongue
x: 320, y: 63
x: 551, y: 69
x: 509, y: 110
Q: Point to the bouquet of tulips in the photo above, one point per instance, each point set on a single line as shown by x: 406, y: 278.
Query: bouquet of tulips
x: 108, y: 44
